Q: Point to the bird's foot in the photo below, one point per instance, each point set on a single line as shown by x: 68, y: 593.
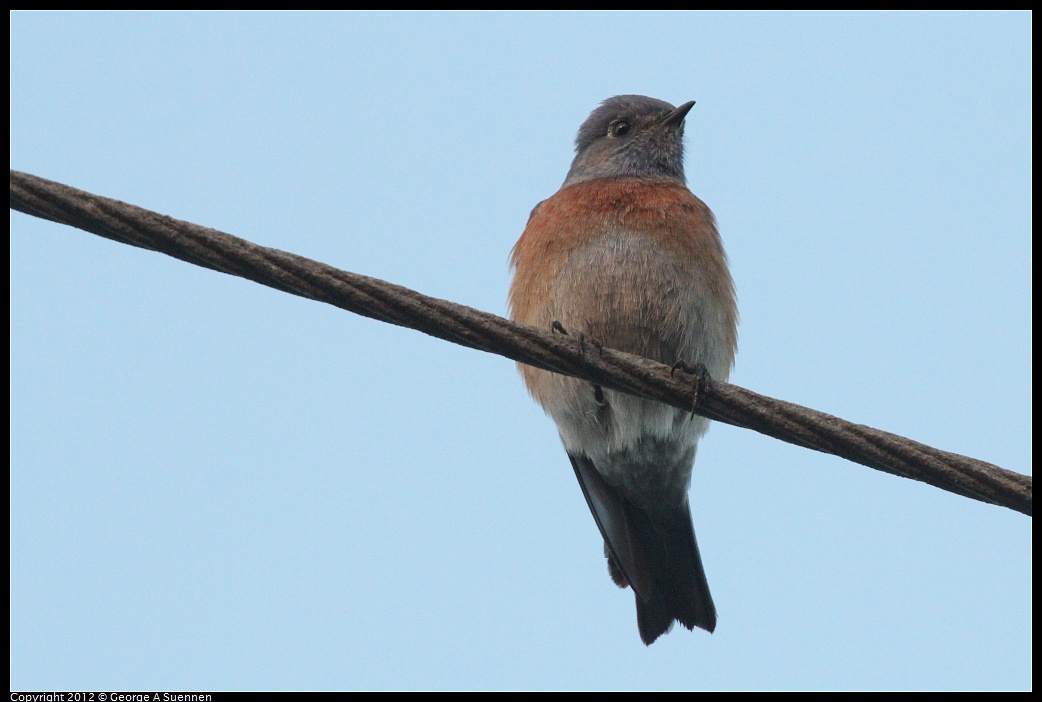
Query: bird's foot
x: 556, y: 326
x: 702, y: 380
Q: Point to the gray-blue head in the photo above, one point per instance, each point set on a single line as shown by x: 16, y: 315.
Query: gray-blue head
x: 631, y: 136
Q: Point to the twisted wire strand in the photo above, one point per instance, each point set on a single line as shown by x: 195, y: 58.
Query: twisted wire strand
x: 543, y: 348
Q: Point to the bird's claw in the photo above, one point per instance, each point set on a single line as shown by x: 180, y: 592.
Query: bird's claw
x: 557, y: 327
x: 702, y: 380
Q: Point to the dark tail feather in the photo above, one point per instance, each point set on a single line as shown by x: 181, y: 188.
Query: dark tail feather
x: 683, y: 591
x: 656, y: 554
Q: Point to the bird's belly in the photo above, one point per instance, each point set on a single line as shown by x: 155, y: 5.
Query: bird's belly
x: 627, y: 293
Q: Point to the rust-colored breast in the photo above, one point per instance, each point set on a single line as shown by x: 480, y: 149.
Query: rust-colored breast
x: 636, y: 264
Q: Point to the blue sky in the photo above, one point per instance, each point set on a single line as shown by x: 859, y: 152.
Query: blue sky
x: 215, y: 485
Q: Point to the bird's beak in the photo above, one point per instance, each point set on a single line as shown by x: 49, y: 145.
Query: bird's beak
x: 677, y: 116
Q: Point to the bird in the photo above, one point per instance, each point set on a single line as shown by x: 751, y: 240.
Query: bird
x: 626, y: 256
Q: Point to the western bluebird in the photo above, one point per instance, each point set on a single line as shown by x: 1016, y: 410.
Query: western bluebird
x: 625, y: 254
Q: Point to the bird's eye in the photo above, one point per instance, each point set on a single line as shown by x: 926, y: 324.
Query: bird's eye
x: 619, y: 129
